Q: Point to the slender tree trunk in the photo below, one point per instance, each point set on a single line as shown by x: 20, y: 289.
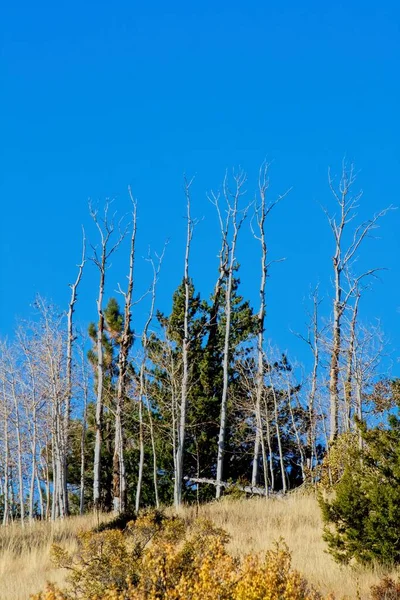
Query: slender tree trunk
x: 47, y: 471
x: 297, y: 435
x: 6, y: 458
x: 226, y: 350
x: 141, y: 454
x: 265, y: 463
x: 40, y: 494
x: 343, y: 258
x: 105, y: 229
x: 143, y: 397
x: 99, y: 398
x: 154, y: 452
x: 269, y: 444
x: 359, y: 411
x: 261, y: 216
x: 19, y: 452
x: 83, y: 438
x: 335, y: 356
x: 119, y: 476
x: 313, y: 341
x: 279, y: 440
x: 348, y: 385
x: 54, y: 501
x: 33, y: 473
x: 70, y: 341
x: 185, y: 359
x: 174, y: 449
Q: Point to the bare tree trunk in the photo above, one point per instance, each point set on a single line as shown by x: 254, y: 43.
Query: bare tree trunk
x: 261, y: 215
x: 262, y: 212
x: 143, y: 398
x: 269, y: 443
x: 141, y: 447
x: 40, y: 493
x: 314, y: 381
x: 174, y: 411
x: 99, y: 400
x: 342, y: 261
x: 335, y: 356
x: 54, y: 502
x: 236, y: 224
x: 156, y: 272
x: 6, y: 506
x: 296, y: 432
x: 47, y: 471
x: 105, y: 230
x: 359, y: 411
x: 33, y: 473
x: 264, y: 460
x: 185, y: 358
x: 119, y: 478
x: 348, y: 385
x: 83, y: 438
x: 70, y: 341
x: 278, y: 438
x: 19, y: 450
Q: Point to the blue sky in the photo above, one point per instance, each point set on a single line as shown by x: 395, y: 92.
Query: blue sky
x: 99, y: 96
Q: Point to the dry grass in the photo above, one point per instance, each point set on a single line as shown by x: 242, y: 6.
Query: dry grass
x: 25, y: 564
x: 254, y: 525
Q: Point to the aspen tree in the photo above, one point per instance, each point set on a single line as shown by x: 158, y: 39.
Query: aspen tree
x: 105, y: 227
x: 345, y: 254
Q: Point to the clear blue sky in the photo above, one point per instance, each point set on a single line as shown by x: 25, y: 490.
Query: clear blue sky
x: 96, y: 96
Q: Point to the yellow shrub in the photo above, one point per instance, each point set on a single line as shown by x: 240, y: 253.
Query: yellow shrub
x: 273, y: 578
x: 157, y: 559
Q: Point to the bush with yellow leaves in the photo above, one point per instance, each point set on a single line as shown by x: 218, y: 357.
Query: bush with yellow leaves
x: 160, y: 558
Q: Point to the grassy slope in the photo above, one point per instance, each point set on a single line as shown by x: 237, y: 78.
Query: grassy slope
x: 25, y: 563
x: 253, y: 524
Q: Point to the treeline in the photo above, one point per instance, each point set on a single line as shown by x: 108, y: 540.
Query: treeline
x: 117, y: 419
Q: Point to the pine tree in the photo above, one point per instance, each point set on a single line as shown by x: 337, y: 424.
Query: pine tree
x: 363, y: 519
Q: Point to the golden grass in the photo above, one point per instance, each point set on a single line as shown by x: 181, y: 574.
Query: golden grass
x: 25, y: 564
x: 253, y: 524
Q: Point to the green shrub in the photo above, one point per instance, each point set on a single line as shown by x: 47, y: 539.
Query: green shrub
x: 362, y: 520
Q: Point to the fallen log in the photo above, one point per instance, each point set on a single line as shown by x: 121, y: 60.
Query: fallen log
x: 248, y: 489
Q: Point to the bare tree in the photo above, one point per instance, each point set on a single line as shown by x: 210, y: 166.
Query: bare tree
x: 368, y: 354
x: 13, y: 383
x: 119, y: 475
x: 83, y: 384
x: 5, y: 438
x: 262, y: 211
x: 348, y: 383
x: 236, y: 219
x: 32, y: 403
x: 143, y: 396
x: 52, y: 348
x: 178, y: 482
x: 274, y: 395
x: 70, y: 341
x: 106, y: 228
x: 343, y: 259
x: 313, y: 339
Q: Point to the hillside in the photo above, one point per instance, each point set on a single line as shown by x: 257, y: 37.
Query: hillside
x: 253, y: 524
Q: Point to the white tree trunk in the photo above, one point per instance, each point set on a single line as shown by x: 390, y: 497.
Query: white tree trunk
x: 185, y: 361
x: 233, y: 214
x: 70, y: 341
x: 105, y: 229
x: 19, y: 450
x: 119, y: 476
